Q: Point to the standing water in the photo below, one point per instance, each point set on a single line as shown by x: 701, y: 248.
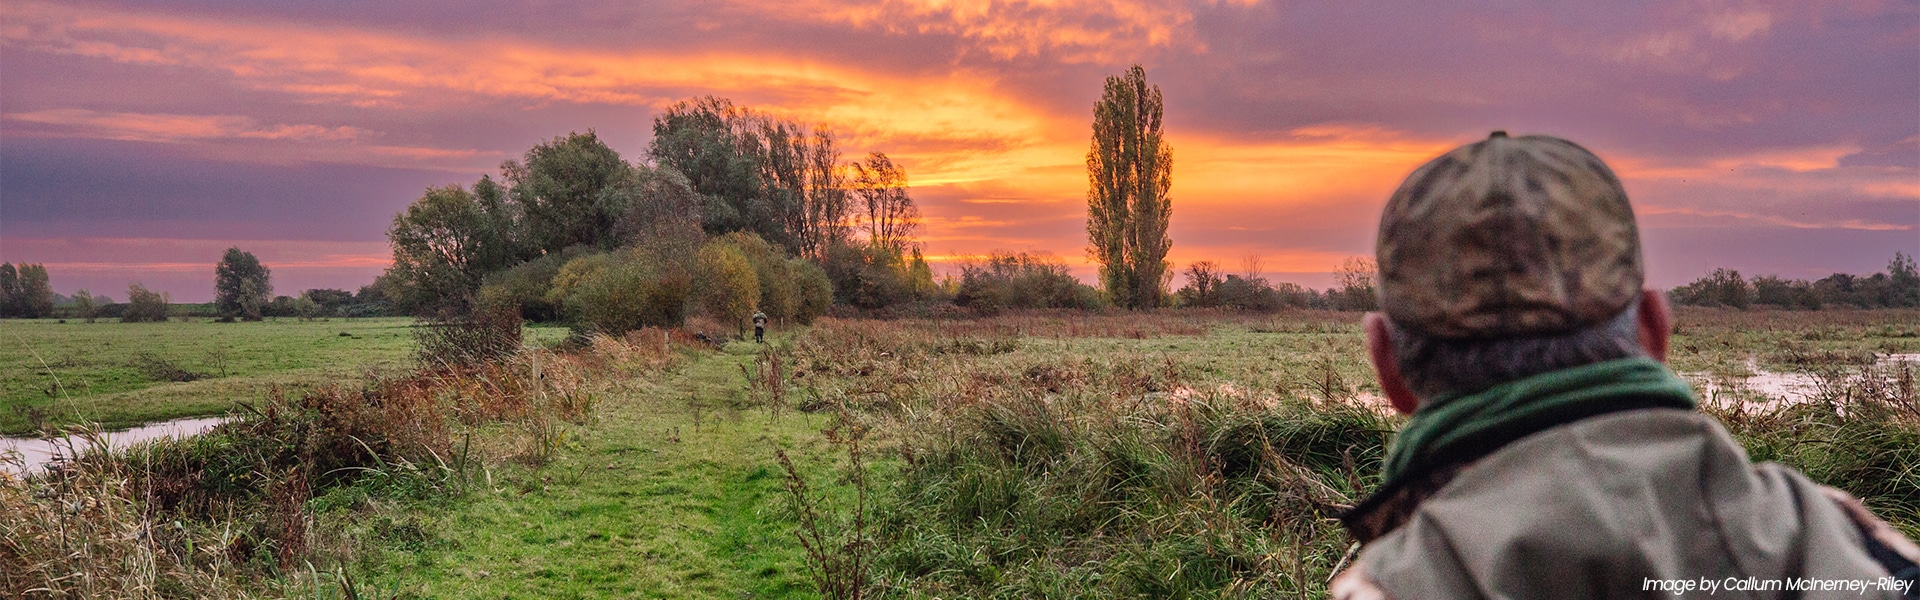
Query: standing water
x: 1767, y: 389
x: 36, y: 453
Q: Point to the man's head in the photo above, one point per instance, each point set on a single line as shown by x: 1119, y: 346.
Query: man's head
x: 1507, y: 258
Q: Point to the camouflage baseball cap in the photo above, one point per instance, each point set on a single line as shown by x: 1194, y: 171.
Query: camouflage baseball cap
x: 1508, y: 237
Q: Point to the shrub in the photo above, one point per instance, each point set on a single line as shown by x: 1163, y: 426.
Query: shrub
x: 1010, y: 281
x: 1207, y: 288
x: 727, y: 289
x: 280, y: 306
x: 144, y: 305
x: 575, y: 272
x: 778, y: 291
x: 1353, y: 285
x: 84, y: 305
x: 525, y: 287
x: 812, y: 290
x: 872, y: 276
x: 620, y: 292
x: 1723, y: 287
x: 486, y: 336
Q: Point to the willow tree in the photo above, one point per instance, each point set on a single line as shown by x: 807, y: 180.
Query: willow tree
x: 241, y: 285
x: 1129, y: 173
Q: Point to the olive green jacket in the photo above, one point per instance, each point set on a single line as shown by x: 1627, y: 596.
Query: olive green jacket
x: 1620, y: 505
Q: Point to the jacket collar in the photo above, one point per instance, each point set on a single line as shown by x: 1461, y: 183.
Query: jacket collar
x: 1450, y: 433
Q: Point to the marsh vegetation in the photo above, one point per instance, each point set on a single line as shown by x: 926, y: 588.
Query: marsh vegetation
x: 1060, y: 454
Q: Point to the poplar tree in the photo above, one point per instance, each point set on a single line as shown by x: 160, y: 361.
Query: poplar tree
x: 1129, y: 175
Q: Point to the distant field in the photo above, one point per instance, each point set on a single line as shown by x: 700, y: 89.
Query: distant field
x: 122, y: 374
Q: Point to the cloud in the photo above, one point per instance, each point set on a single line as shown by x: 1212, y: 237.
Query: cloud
x: 239, y: 138
x: 1291, y: 122
x: 177, y: 128
x: 1070, y: 31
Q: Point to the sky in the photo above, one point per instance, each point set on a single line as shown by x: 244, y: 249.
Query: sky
x: 138, y: 141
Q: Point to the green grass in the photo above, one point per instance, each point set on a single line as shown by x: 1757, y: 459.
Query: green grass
x: 75, y: 372
x: 673, y: 493
x: 1022, y: 456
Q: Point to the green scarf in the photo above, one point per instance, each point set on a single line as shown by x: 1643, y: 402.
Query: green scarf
x: 1451, y: 422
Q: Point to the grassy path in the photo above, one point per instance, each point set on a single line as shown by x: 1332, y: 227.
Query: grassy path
x: 674, y: 493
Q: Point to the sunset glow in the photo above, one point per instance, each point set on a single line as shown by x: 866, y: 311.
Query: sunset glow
x: 141, y: 140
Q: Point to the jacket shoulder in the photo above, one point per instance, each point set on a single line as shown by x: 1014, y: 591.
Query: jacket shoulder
x: 1595, y: 508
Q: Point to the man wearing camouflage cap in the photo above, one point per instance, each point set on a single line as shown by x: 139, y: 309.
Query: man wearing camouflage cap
x: 1551, y: 453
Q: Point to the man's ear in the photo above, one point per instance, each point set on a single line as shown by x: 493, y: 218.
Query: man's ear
x: 1656, y: 323
x: 1380, y: 349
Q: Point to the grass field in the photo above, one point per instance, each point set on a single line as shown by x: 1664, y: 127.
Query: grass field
x: 1048, y: 456
x: 1165, y: 455
x: 124, y: 374
x: 672, y: 493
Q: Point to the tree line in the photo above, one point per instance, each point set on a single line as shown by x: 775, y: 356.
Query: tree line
x: 242, y: 291
x: 732, y: 211
x: 1897, y: 287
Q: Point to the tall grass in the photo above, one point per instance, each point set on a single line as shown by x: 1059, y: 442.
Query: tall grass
x: 1045, y: 474
x: 1860, y: 433
x: 235, y: 512
x: 1050, y: 455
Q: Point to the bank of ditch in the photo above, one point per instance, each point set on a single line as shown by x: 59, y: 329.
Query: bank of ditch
x: 634, y: 467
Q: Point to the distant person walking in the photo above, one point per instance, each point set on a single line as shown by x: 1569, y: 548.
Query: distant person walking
x: 759, y: 327
x: 1551, y: 453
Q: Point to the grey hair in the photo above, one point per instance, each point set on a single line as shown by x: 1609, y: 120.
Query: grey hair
x: 1434, y: 366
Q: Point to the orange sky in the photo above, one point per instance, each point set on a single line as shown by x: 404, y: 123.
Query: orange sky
x: 142, y: 139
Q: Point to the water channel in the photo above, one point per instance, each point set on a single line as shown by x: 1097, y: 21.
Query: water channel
x: 35, y: 453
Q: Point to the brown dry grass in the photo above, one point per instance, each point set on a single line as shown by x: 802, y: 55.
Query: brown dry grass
x: 228, y: 513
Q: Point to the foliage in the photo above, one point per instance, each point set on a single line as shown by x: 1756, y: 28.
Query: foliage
x: 306, y: 308
x: 813, y: 290
x: 1785, y: 293
x: 881, y: 188
x: 526, y: 286
x: 280, y: 306
x: 727, y: 290
x: 568, y: 192
x: 1101, y: 468
x: 1203, y: 285
x: 1129, y: 174
x: 144, y: 305
x: 869, y: 276
x: 659, y: 203
x: 330, y: 301
x: 1354, y: 285
x: 25, y: 291
x: 485, y: 336
x: 1897, y: 287
x: 371, y: 300
x: 445, y: 243
x: 1207, y: 288
x: 623, y: 291
x: 1723, y: 287
x: 244, y: 510
x: 84, y: 305
x: 779, y: 294
x: 774, y: 178
x: 9, y: 288
x: 36, y: 292
x: 1005, y: 280
x: 241, y: 285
